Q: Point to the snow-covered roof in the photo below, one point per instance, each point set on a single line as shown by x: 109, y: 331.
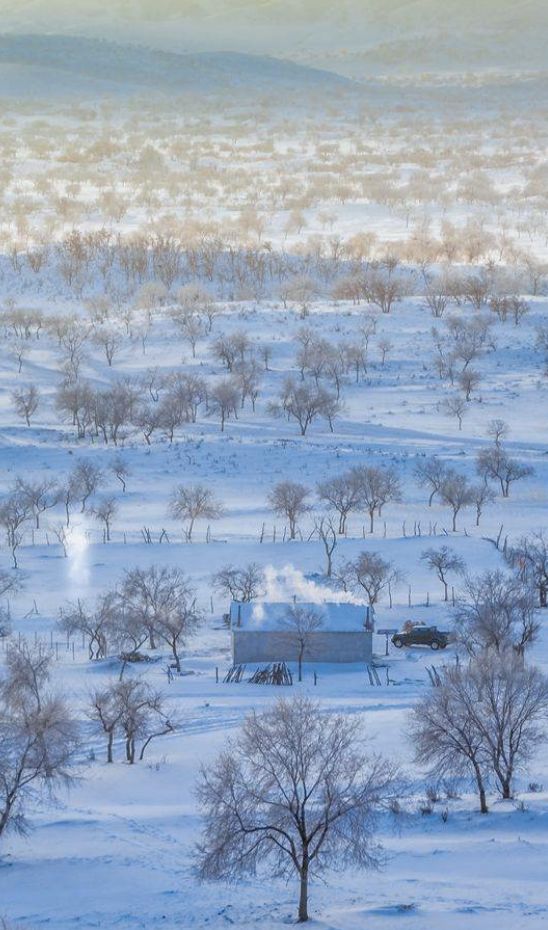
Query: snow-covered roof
x: 267, y: 615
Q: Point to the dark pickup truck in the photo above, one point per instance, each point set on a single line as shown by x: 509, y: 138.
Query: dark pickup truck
x: 422, y: 636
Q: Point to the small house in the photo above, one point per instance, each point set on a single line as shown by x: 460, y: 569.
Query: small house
x: 283, y: 631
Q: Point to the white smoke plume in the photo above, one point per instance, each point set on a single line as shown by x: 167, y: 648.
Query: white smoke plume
x: 285, y: 584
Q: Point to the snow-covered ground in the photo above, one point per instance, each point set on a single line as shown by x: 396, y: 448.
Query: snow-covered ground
x: 450, y: 177
x: 116, y: 850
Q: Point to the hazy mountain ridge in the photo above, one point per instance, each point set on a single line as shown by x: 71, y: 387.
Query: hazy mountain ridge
x: 130, y: 66
x: 497, y: 28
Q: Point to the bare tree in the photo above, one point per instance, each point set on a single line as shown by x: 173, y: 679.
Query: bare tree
x: 436, y: 298
x: 299, y: 624
x: 143, y: 717
x: 121, y: 469
x: 105, y: 709
x: 443, y: 561
x: 194, y: 502
x: 481, y: 496
x: 86, y: 478
x: 152, y: 593
x: 327, y: 533
x: 193, y: 298
x: 15, y: 511
x: 40, y: 495
x: 444, y: 731
x: 385, y: 346
x: 187, y: 392
x: 376, y: 487
x: 468, y: 381
x: 455, y: 406
x: 223, y: 400
x: 148, y: 418
x: 109, y: 340
x: 38, y: 736
x: 26, y: 402
x: 9, y: 583
x: 495, y: 611
x: 289, y: 499
x: 298, y: 789
x: 125, y: 632
x: 497, y: 430
x: 493, y: 463
x: 456, y: 493
x: 176, y: 625
x: 431, y: 473
x: 342, y: 493
x: 371, y: 573
x: 383, y: 288
x: 511, y: 713
x: 105, y: 510
x: 77, y: 617
x: 305, y: 403
x: 240, y: 584
x: 530, y: 559
x: 189, y: 325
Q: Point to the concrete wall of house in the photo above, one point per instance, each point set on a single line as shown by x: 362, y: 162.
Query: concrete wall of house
x: 274, y: 646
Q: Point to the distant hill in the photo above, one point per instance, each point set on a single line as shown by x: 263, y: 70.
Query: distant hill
x: 384, y: 34
x: 30, y: 63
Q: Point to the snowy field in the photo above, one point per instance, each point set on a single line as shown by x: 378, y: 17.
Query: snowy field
x: 147, y: 247
x: 116, y: 851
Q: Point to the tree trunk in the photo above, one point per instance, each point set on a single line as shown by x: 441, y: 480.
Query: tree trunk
x: 303, y: 898
x: 109, y: 746
x: 481, y: 789
x: 177, y: 659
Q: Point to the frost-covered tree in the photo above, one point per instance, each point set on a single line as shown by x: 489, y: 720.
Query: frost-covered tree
x: 298, y: 790
x: 443, y: 562
x: 240, y: 584
x: 104, y: 511
x: 194, y: 502
x: 444, y: 731
x: 493, y: 463
x: 15, y: 512
x: 299, y: 624
x: 26, y: 402
x: 456, y: 492
x: 431, y: 473
x: 369, y: 572
x: 41, y: 495
x: 289, y: 499
x: 223, y: 400
x: 376, y: 487
x: 496, y: 611
x: 38, y: 735
x: 341, y: 493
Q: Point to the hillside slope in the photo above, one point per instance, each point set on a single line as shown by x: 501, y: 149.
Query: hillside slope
x: 504, y: 33
x: 28, y: 63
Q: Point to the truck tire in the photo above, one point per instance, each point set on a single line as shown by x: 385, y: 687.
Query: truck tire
x: 398, y: 643
x: 434, y: 644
